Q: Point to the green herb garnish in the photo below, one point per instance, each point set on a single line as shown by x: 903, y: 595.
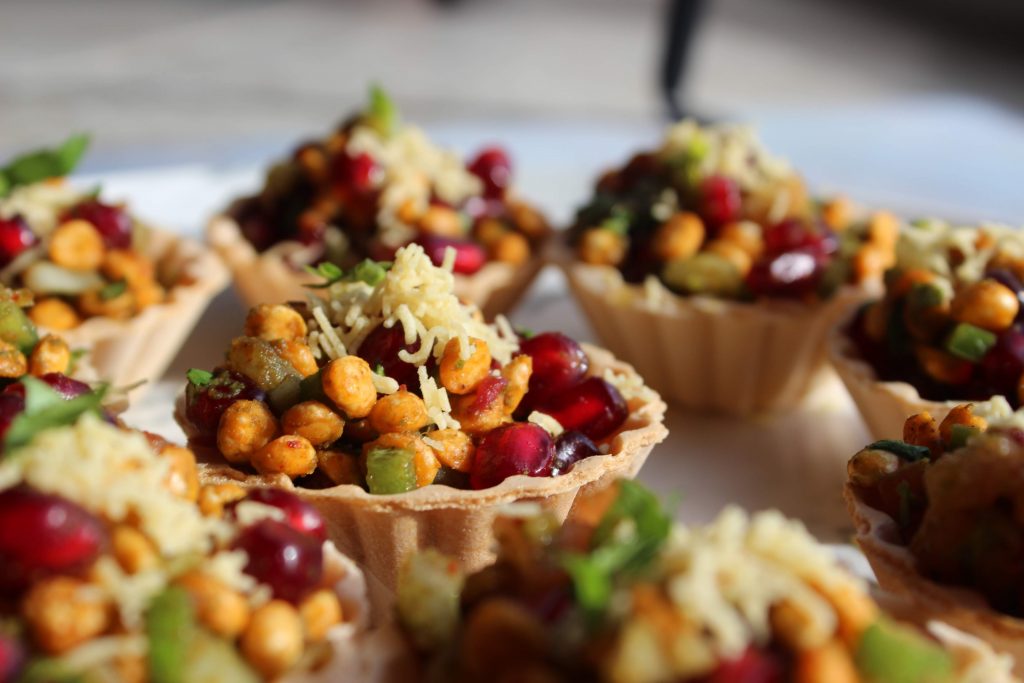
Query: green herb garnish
x: 47, y: 409
x: 170, y: 625
x: 113, y: 290
x: 525, y: 332
x: 379, y: 369
x: 618, y: 221
x: 381, y: 114
x: 368, y: 271
x: 969, y: 342
x: 904, y: 451
x: 43, y: 164
x: 198, y: 377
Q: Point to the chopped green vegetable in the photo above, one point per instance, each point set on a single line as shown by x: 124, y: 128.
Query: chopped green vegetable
x: 427, y: 599
x: 370, y: 272
x: 5, y: 184
x: 525, y: 332
x: 113, y: 290
x: 16, y: 328
x: 619, y: 220
x: 198, y: 377
x: 44, y: 163
x: 890, y: 653
x: 312, y: 389
x: 969, y: 342
x: 704, y: 273
x: 925, y: 295
x: 959, y: 435
x: 211, y: 659
x: 379, y: 369
x: 76, y: 356
x: 46, y: 409
x: 381, y: 114
x: 256, y: 359
x: 170, y: 625
x: 904, y: 451
x: 390, y: 470
x: 328, y: 271
x: 285, y: 395
x: 49, y: 671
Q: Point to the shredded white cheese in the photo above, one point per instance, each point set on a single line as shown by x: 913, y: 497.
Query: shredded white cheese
x: 547, y: 422
x: 40, y: 204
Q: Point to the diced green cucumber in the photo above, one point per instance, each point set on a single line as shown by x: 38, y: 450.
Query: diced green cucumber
x: 211, y: 659
x: 257, y: 360
x: 904, y: 451
x: 285, y: 395
x: 170, y: 625
x: 889, y: 653
x: 16, y: 328
x: 390, y: 470
x: 704, y: 273
x: 969, y: 342
x: 959, y: 435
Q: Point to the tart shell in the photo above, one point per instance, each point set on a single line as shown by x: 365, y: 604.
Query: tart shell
x: 709, y: 354
x: 266, y: 277
x: 379, y: 532
x: 921, y: 599
x: 124, y: 352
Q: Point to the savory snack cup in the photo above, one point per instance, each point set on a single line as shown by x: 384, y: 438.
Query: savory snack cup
x: 626, y: 597
x: 705, y: 264
x: 963, y: 468
x: 946, y: 331
x: 435, y: 443
x: 365, y: 190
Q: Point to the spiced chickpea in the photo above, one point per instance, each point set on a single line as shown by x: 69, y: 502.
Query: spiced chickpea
x: 797, y: 628
x: 922, y: 430
x: 51, y: 354
x: 218, y: 607
x: 76, y: 245
x: 870, y: 262
x: 401, y: 411
x: 987, y: 304
x: 297, y: 353
x: 962, y: 415
x: 245, y: 427
x: 869, y: 465
x: 732, y: 253
x: 462, y: 375
x: 182, y: 477
x: 441, y: 221
x: 275, y: 321
x: 348, y: 382
x: 747, y: 235
x: 476, y: 419
x: 313, y: 421
x: 63, y: 612
x: 453, y: 447
x: 272, y: 641
x: 13, y: 363
x: 290, y: 455
x: 130, y: 266
x: 489, y: 230
x: 942, y: 366
x: 602, y: 247
x: 100, y: 304
x: 883, y: 229
x: 517, y: 373
x: 319, y: 611
x: 54, y: 314
x: 830, y: 662
x: 424, y: 459
x: 529, y: 220
x: 837, y: 212
x: 213, y: 497
x: 148, y: 294
x: 132, y: 549
x: 511, y: 248
x: 340, y: 467
x: 679, y: 237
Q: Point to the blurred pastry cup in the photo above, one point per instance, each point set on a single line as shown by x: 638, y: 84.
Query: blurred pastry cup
x: 705, y: 353
x: 380, y: 531
x: 884, y: 406
x: 125, y: 352
x: 921, y: 600
x: 273, y: 276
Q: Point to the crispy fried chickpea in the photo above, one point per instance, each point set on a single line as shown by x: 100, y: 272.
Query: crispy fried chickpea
x: 462, y: 375
x: 348, y: 382
x: 54, y: 314
x: 319, y: 611
x: 529, y: 220
x: 476, y: 419
x: 213, y: 497
x: 147, y: 295
x: 313, y: 421
x: 987, y: 304
x: 297, y: 353
x: 275, y: 321
x: 837, y: 212
x: 76, y: 245
x: 128, y: 265
x: 441, y: 221
x: 943, y: 367
x: 218, y: 607
x: 870, y: 262
x: 402, y: 411
x: 855, y: 609
x: 132, y: 549
x: 489, y: 230
x: 291, y: 455
x: 95, y: 303
x: 883, y: 229
x: 907, y: 279
x: 870, y: 465
x: 602, y: 247
x: 424, y: 459
x: 517, y: 373
x: 511, y: 248
x: 62, y: 612
x: 272, y: 641
x: 922, y: 430
x: 831, y: 662
x: 340, y: 467
x: 747, y: 235
x: 12, y: 361
x: 360, y: 431
x: 679, y: 237
x: 732, y: 253
x: 245, y: 427
x: 183, y: 477
x: 795, y: 627
x: 964, y: 416
x: 51, y: 354
x: 453, y: 447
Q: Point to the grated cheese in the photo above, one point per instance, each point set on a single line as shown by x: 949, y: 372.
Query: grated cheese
x: 727, y: 149
x: 929, y: 244
x: 547, y: 422
x: 40, y: 204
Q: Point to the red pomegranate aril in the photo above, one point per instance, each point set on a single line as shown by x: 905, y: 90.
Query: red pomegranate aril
x: 493, y: 167
x: 112, y: 222
x: 791, y: 274
x: 517, y: 448
x: 204, y: 405
x: 593, y: 407
x: 42, y: 534
x: 358, y: 173
x: 299, y: 514
x: 469, y: 256
x: 380, y: 349
x: 558, y: 362
x: 570, y: 448
x: 67, y: 387
x: 12, y: 658
x: 288, y: 561
x: 753, y: 666
x: 15, y: 237
x: 1003, y: 365
x: 11, y: 405
x: 720, y: 200
x: 487, y: 393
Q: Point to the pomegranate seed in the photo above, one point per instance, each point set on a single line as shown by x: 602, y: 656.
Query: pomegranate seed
x: 517, y: 448
x: 112, y: 222
x: 487, y: 393
x: 300, y: 515
x: 791, y: 274
x: 43, y: 534
x: 558, y: 362
x: 205, y: 405
x: 753, y: 666
x: 795, y: 235
x: 12, y: 658
x: 11, y: 405
x: 1003, y: 365
x: 288, y: 561
x: 15, y: 237
x: 570, y: 448
x: 358, y: 173
x: 493, y: 167
x: 721, y: 201
x: 255, y: 225
x: 380, y: 349
x: 593, y: 407
x: 67, y: 387
x: 469, y: 256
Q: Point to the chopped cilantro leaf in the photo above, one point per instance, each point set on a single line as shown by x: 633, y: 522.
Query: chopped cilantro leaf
x: 198, y: 377
x: 113, y: 290
x: 382, y: 113
x: 42, y: 164
x: 379, y: 369
x: 904, y: 451
x: 46, y: 409
x: 618, y: 221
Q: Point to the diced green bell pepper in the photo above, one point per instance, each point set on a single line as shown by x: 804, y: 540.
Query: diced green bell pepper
x: 969, y: 342
x: 390, y: 470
